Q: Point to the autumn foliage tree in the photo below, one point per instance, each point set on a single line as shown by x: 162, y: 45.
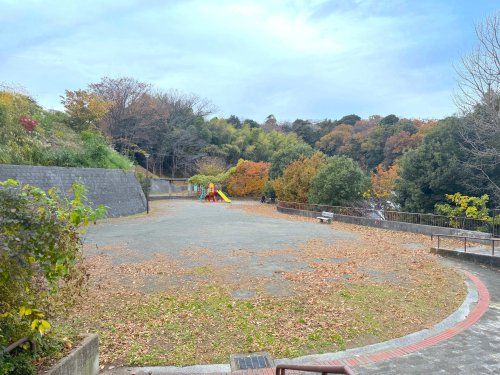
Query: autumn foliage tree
x: 383, y: 181
x: 294, y: 185
x: 337, y: 142
x: 249, y: 178
x: 84, y: 108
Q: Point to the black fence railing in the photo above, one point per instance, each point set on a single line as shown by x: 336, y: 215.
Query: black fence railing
x: 464, y: 223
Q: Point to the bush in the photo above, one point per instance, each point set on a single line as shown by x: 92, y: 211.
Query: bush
x: 465, y: 206
x: 19, y: 364
x: 204, y: 180
x: 285, y: 156
x: 340, y: 182
x: 30, y: 135
x: 268, y: 190
x: 249, y: 178
x: 294, y: 185
x: 39, y: 247
x: 144, y: 181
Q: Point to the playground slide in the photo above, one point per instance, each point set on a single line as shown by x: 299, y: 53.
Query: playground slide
x: 223, y: 196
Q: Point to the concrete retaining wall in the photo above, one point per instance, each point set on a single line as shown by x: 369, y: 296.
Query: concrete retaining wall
x: 117, y: 189
x: 162, y: 186
x: 83, y: 360
x: 171, y: 197
x: 392, y: 225
x: 476, y: 258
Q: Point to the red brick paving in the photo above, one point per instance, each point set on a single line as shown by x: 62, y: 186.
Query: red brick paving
x: 473, y: 317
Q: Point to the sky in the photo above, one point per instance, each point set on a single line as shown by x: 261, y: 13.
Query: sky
x: 312, y: 59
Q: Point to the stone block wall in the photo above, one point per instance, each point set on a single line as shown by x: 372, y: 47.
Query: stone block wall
x: 117, y: 189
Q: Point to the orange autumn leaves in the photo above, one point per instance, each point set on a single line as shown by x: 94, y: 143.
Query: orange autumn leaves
x: 383, y: 181
x: 248, y: 179
x: 293, y: 186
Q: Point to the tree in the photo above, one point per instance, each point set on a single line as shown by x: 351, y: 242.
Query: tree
x: 84, y: 108
x: 249, y: 178
x: 389, y: 120
x: 294, y: 185
x: 285, y: 156
x: 478, y: 99
x: 235, y: 121
x: 337, y: 142
x: 433, y: 169
x: 465, y: 206
x: 383, y: 181
x: 340, y: 182
x: 211, y: 166
x: 373, y: 144
x: 397, y: 144
x: 183, y: 148
x: 251, y: 123
x: 305, y: 130
x: 126, y: 96
x: 270, y: 124
x: 326, y: 126
x: 349, y: 119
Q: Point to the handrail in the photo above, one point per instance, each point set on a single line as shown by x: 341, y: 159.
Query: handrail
x: 18, y: 343
x: 469, y: 237
x: 457, y: 222
x: 280, y: 369
x: 465, y: 238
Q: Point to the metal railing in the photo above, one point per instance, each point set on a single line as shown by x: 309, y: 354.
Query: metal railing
x: 18, y: 344
x: 465, y: 239
x: 464, y: 223
x: 281, y: 369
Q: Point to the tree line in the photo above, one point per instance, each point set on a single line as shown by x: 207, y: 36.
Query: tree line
x: 410, y: 162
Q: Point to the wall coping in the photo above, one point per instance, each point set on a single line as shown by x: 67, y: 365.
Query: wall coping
x: 82, y: 360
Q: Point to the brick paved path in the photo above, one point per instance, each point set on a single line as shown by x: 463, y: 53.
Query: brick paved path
x: 476, y: 350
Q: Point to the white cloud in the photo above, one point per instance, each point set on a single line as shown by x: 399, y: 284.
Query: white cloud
x: 309, y: 59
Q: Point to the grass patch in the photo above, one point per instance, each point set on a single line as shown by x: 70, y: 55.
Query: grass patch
x: 381, y: 290
x: 207, y: 325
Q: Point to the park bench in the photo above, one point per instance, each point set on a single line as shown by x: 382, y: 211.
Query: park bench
x: 326, y: 217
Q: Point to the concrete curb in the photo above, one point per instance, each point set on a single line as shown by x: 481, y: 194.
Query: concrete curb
x: 474, y: 306
x: 83, y: 360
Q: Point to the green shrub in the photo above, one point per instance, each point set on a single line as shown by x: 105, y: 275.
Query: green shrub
x: 268, y: 190
x: 18, y: 364
x: 39, y: 247
x: 340, y: 182
x: 144, y: 181
x: 285, y: 156
x: 51, y: 142
x: 203, y: 180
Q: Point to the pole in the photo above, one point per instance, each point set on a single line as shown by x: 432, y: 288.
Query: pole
x: 147, y: 186
x: 496, y: 212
